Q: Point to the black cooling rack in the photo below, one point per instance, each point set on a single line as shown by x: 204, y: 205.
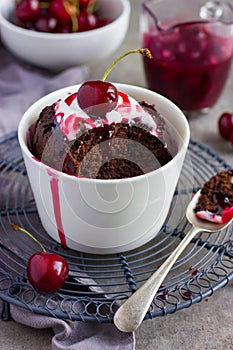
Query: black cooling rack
x: 98, y: 284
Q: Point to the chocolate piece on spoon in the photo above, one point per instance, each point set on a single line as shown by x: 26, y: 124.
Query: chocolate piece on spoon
x: 216, y: 198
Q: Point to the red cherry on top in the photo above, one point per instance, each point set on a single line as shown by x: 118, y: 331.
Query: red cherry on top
x: 225, y: 125
x: 28, y: 10
x: 47, y: 272
x: 100, y: 97
x: 97, y: 97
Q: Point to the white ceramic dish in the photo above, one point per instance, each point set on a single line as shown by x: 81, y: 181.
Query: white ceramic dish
x: 60, y: 51
x: 105, y: 216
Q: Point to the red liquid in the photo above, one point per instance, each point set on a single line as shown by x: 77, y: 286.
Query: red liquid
x: 56, y: 206
x: 190, y: 65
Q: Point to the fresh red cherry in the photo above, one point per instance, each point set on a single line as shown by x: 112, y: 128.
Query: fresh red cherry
x: 71, y: 15
x: 225, y: 125
x: 88, y: 5
x: 86, y: 21
x: 46, y: 23
x: 27, y: 10
x: 64, y: 28
x: 83, y: 4
x: 100, y: 97
x: 97, y: 97
x: 60, y: 11
x: 47, y: 272
x: 103, y: 22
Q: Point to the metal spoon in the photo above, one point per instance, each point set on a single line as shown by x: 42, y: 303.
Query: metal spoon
x: 130, y: 315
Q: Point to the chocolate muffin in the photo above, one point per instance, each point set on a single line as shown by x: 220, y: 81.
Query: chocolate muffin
x: 131, y: 141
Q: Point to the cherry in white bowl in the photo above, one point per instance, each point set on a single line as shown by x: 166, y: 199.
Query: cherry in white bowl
x: 58, y: 51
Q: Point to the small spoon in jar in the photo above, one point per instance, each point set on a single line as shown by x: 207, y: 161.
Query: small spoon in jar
x: 130, y: 315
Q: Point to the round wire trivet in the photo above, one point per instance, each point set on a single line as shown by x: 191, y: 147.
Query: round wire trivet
x: 98, y: 284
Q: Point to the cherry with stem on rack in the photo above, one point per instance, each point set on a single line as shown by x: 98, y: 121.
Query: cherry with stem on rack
x: 47, y: 272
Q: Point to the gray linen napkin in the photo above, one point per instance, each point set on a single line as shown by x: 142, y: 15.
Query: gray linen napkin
x: 75, y: 335
x: 20, y: 86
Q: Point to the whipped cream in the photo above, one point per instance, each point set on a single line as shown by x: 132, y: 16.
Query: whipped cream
x: 74, y: 121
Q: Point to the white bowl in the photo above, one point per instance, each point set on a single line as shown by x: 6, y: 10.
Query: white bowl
x: 105, y: 216
x: 60, y: 51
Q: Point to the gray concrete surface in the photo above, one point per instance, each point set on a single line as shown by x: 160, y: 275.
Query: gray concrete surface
x: 204, y: 326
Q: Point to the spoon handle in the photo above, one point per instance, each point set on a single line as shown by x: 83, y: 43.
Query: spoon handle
x: 130, y: 315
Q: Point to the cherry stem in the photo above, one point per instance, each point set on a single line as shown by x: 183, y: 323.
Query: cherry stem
x: 18, y: 228
x: 90, y: 6
x: 70, y: 6
x: 44, y: 4
x: 144, y: 51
